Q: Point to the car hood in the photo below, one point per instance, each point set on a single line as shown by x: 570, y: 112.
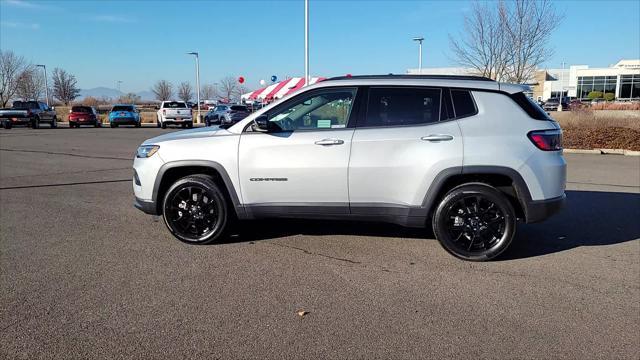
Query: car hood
x: 188, y: 134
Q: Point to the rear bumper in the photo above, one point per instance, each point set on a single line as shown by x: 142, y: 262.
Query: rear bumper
x: 178, y: 121
x: 124, y: 121
x: 16, y: 120
x: 539, y: 210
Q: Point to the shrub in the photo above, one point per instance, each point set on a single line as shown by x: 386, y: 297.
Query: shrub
x: 595, y: 95
x: 609, y: 96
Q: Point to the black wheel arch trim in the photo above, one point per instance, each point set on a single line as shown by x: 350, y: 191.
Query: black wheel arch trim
x: 233, y: 194
x: 520, y: 186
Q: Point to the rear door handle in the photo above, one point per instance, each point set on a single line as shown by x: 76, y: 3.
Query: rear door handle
x: 437, y: 138
x: 327, y: 142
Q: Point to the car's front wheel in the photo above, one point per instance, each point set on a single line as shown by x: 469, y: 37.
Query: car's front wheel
x: 474, y: 222
x: 195, y: 210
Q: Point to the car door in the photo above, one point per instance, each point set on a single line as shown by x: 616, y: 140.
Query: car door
x: 45, y: 113
x: 400, y: 144
x: 302, y: 165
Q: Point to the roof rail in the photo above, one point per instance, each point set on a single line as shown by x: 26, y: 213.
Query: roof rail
x: 412, y: 76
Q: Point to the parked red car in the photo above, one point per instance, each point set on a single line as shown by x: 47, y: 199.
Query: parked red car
x: 83, y: 115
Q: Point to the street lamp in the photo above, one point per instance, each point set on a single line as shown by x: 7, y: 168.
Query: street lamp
x: 197, y: 80
x: 46, y: 85
x: 306, y: 42
x: 419, y: 39
x: 119, y: 82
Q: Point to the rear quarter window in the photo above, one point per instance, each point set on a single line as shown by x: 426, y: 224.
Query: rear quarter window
x: 463, y: 103
x: 529, y: 106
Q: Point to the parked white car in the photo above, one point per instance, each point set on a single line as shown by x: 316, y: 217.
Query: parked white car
x: 174, y: 113
x: 467, y: 155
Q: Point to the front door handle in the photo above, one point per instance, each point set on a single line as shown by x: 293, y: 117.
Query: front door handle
x: 327, y: 142
x: 437, y: 137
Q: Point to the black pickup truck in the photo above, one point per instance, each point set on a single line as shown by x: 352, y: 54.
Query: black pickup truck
x: 29, y: 113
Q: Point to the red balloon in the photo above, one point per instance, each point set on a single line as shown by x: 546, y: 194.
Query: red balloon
x: 348, y: 75
x: 241, y: 79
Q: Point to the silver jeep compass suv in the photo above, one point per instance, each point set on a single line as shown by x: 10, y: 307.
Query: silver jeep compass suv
x: 466, y: 155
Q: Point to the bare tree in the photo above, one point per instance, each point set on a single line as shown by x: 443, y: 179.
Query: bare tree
x: 11, y: 67
x: 208, y: 92
x: 507, y: 42
x: 30, y: 84
x: 228, y: 87
x: 185, y: 92
x: 242, y: 89
x: 163, y: 90
x: 64, y: 86
x: 528, y: 25
x: 129, y: 98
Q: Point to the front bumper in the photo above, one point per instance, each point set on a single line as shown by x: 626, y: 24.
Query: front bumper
x: 146, y: 206
x: 539, y: 210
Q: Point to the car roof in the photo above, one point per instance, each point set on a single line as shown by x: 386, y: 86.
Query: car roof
x: 123, y: 105
x: 453, y: 81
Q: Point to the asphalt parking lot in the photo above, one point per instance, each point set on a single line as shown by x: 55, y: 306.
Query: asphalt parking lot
x: 84, y: 274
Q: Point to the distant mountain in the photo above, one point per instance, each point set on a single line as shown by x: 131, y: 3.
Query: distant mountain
x: 105, y: 92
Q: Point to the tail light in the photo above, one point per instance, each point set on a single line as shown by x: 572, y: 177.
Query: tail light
x: 546, y: 140
x: 164, y: 112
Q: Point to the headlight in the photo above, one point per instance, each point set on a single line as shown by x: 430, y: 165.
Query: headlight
x: 146, y: 151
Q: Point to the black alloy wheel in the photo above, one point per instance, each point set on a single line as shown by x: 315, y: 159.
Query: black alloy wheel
x: 475, y: 222
x: 195, y: 210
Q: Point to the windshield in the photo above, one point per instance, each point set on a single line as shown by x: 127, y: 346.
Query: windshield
x: 239, y: 108
x: 122, y: 108
x: 25, y: 105
x: 174, y: 105
x: 81, y: 109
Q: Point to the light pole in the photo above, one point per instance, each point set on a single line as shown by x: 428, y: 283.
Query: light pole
x: 197, y: 81
x: 46, y: 83
x: 419, y: 39
x: 119, y: 82
x: 306, y: 42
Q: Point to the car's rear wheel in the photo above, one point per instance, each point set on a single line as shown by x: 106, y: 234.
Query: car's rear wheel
x: 139, y: 124
x: 7, y: 124
x: 54, y: 122
x: 195, y: 210
x: 35, y: 123
x: 475, y: 222
x: 163, y: 125
x: 190, y: 125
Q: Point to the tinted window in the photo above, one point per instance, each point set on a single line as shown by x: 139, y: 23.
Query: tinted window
x: 529, y: 106
x: 25, y: 105
x: 463, y: 103
x: 174, y: 105
x: 239, y: 108
x: 81, y: 109
x: 402, y: 106
x: 329, y: 109
x: 122, y: 108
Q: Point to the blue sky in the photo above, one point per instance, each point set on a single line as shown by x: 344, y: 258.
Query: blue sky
x: 140, y: 42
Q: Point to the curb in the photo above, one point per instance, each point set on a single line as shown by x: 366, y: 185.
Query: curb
x: 603, y: 152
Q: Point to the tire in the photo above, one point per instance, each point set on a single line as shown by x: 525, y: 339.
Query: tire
x: 164, y: 125
x: 35, y: 123
x: 474, y: 212
x: 190, y: 125
x: 113, y: 125
x: 97, y: 124
x: 7, y: 125
x: 138, y: 124
x: 54, y: 122
x: 187, y: 219
x: 158, y: 121
x: 72, y: 125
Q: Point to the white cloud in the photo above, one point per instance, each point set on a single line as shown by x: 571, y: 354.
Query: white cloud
x: 22, y: 4
x: 19, y: 25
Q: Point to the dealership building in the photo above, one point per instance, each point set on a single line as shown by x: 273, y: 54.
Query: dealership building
x: 575, y: 81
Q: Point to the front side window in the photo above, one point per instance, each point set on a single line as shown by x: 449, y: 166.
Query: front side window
x: 402, y: 106
x: 328, y: 109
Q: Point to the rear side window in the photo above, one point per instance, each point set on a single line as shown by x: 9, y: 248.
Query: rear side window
x: 402, y: 106
x: 239, y: 108
x: 463, y: 104
x: 529, y: 106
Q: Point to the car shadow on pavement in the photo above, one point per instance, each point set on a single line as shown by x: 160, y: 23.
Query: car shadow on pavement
x: 589, y: 218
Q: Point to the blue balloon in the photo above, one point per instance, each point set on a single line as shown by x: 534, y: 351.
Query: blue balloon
x: 274, y: 78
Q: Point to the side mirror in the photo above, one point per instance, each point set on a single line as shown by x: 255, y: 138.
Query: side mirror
x: 261, y: 123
